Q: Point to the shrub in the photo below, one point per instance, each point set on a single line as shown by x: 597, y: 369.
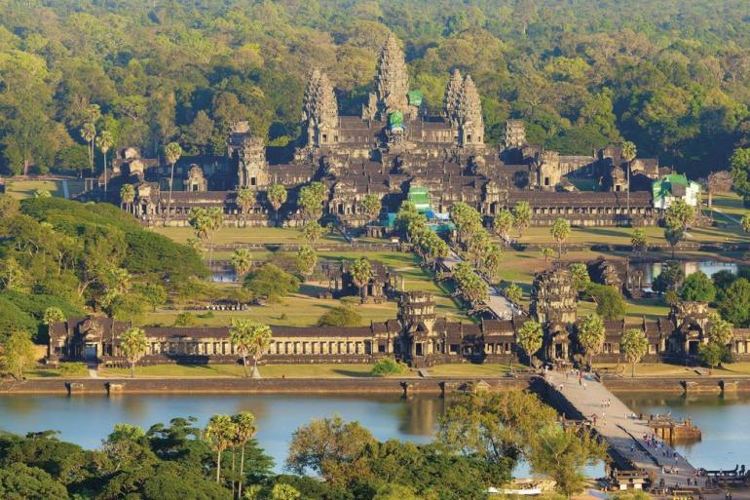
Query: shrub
x: 73, y: 369
x: 344, y: 315
x: 387, y: 366
x: 185, y: 319
x: 271, y: 282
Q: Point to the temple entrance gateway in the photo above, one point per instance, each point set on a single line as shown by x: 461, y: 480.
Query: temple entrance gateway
x: 90, y: 352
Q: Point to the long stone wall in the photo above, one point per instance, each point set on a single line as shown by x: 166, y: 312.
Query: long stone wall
x: 364, y: 385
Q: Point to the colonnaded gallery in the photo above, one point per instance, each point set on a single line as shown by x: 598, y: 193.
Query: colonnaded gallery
x: 392, y: 147
x: 417, y: 336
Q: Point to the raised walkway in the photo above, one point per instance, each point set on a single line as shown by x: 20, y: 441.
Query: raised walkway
x: 498, y: 305
x: 623, y: 431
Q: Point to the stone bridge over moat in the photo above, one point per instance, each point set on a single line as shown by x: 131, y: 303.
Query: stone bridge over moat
x: 623, y: 431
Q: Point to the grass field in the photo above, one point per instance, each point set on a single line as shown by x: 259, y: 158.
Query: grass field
x: 301, y: 309
x: 269, y: 371
x: 25, y: 188
x: 324, y: 370
x: 244, y: 235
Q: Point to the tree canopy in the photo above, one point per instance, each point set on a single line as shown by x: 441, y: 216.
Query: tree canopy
x: 580, y: 74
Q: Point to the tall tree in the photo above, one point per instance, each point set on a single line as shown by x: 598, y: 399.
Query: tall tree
x: 371, y: 205
x: 252, y: 339
x: 53, y: 315
x: 172, y: 153
x: 305, y: 260
x: 560, y: 232
x: 312, y: 232
x: 17, y: 354
x: 245, y: 200
x: 521, y: 217
x: 277, y: 196
x: 104, y: 142
x: 629, y: 152
x: 88, y: 133
x: 591, y: 335
x: 220, y: 432
x: 638, y: 241
x: 127, y: 196
x: 530, y: 337
x: 133, y: 345
x: 242, y: 260
x: 361, y: 271
x: 244, y: 424
x: 634, y: 346
x: 502, y: 225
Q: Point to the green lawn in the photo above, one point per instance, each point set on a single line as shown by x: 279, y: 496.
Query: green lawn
x: 245, y: 235
x: 324, y: 370
x: 472, y: 370
x: 301, y: 309
x: 622, y: 235
x: 25, y: 188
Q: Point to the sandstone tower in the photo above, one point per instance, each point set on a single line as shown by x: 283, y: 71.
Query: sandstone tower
x: 553, y: 297
x: 470, y: 121
x: 452, y: 98
x: 391, y: 81
x: 320, y: 111
x: 515, y: 134
x: 248, y: 154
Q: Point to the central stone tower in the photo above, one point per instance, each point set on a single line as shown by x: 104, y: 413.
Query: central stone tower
x: 391, y: 84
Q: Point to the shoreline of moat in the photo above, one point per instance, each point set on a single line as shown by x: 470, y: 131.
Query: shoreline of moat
x: 405, y: 386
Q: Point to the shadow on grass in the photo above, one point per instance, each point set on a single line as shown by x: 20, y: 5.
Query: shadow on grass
x: 351, y: 373
x: 603, y: 232
x: 53, y: 374
x: 311, y: 290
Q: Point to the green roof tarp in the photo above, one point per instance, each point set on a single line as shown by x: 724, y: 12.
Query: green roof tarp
x: 396, y: 120
x: 415, y: 98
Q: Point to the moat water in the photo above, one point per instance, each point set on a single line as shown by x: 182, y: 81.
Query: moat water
x: 86, y: 420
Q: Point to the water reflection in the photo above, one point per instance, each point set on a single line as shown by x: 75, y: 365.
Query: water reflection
x: 87, y: 419
x: 653, y: 269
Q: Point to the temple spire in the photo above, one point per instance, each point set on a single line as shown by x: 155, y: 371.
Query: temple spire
x: 470, y: 118
x: 452, y: 97
x: 392, y: 79
x: 320, y: 110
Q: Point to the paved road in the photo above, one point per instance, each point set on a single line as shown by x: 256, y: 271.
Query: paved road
x: 622, y: 432
x: 501, y: 307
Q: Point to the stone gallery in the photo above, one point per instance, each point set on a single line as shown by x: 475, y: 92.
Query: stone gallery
x: 417, y: 336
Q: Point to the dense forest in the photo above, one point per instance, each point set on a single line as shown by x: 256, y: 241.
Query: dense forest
x: 70, y: 257
x: 671, y: 75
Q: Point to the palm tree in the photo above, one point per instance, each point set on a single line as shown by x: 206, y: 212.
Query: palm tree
x: 172, y: 153
x: 245, y: 429
x: 88, y: 133
x: 127, y: 196
x: 276, y: 197
x: 215, y: 221
x: 104, y: 142
x: 241, y: 335
x: 133, y: 345
x: 242, y: 259
x: 245, y: 200
x: 629, y: 152
x: 259, y: 342
x: 220, y: 432
x: 361, y: 272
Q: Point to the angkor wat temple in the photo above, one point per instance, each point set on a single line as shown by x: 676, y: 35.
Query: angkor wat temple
x: 391, y: 147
